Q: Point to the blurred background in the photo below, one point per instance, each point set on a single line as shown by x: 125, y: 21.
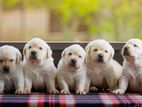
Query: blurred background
x: 70, y: 20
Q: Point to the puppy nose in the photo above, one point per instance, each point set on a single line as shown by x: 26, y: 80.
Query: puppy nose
x: 33, y: 53
x: 6, y: 69
x: 126, y: 48
x: 100, y: 56
x: 73, y: 61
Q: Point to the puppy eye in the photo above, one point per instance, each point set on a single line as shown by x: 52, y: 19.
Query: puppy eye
x: 29, y: 47
x: 70, y: 54
x: 1, y: 61
x: 11, y: 60
x: 135, y: 45
x: 80, y: 56
x: 106, y: 51
x: 95, y: 50
x: 40, y: 48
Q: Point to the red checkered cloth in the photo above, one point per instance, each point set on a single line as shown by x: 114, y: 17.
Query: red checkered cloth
x: 97, y: 99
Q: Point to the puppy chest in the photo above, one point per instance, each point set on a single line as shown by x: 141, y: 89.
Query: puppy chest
x: 70, y: 80
x: 38, y: 81
x: 97, y: 78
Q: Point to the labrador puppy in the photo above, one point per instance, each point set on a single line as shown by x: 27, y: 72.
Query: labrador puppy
x: 11, y: 70
x: 71, y: 71
x: 131, y: 78
x: 39, y: 69
x: 103, y: 70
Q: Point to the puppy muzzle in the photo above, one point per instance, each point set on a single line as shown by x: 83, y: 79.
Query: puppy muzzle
x: 6, y: 69
x: 33, y: 55
x: 73, y: 63
x: 126, y: 51
x: 100, y: 58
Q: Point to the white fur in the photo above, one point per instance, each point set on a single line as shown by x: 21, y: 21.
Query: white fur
x: 102, y: 75
x: 131, y: 78
x: 12, y: 58
x: 72, y: 78
x: 41, y: 73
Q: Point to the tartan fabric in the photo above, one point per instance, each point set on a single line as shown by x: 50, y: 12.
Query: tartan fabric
x: 95, y: 99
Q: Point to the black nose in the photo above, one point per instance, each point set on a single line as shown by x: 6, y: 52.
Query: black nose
x: 6, y: 69
x: 100, y: 56
x: 126, y: 50
x: 73, y: 61
x: 33, y: 53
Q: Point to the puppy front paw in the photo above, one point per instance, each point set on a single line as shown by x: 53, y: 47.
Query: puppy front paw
x: 65, y: 91
x: 53, y: 91
x: 93, y: 88
x: 19, y: 91
x: 27, y: 91
x: 118, y: 91
x: 80, y: 91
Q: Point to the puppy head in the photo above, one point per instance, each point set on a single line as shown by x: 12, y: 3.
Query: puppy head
x: 132, y: 50
x: 99, y: 51
x: 36, y: 51
x: 73, y: 56
x: 9, y: 58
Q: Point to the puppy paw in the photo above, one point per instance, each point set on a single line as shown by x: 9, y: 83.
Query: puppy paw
x: 93, y: 88
x: 80, y: 91
x: 27, y: 91
x: 53, y: 91
x: 19, y: 91
x: 118, y: 91
x: 65, y: 91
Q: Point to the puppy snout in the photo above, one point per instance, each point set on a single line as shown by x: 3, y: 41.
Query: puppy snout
x: 126, y: 50
x: 100, y: 57
x: 33, y: 53
x: 73, y: 61
x: 6, y: 69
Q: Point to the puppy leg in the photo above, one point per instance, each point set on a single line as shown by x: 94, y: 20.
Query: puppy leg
x: 139, y: 79
x: 87, y: 85
x: 63, y: 85
x: 123, y: 84
x: 80, y: 85
x: 19, y: 84
x: 28, y: 85
x: 1, y: 86
x: 111, y: 80
x: 50, y: 85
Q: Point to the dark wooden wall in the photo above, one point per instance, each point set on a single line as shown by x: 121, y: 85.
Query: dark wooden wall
x: 57, y: 48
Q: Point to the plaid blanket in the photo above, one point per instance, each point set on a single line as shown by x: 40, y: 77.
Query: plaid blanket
x: 97, y: 99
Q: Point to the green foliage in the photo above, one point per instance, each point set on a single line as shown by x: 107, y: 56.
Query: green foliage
x: 115, y: 18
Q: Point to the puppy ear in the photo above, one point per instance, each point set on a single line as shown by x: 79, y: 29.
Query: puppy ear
x: 49, y: 51
x: 64, y: 52
x: 24, y: 50
x: 88, y: 48
x: 18, y: 57
x: 111, y: 52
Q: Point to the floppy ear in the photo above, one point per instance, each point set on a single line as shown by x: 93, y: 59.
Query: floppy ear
x: 112, y: 52
x: 64, y: 52
x: 49, y: 51
x: 24, y: 50
x: 88, y: 48
x: 18, y: 57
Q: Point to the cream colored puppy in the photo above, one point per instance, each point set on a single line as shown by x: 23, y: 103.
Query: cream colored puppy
x: 131, y: 78
x: 11, y: 70
x: 71, y: 70
x: 39, y: 69
x: 103, y: 71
